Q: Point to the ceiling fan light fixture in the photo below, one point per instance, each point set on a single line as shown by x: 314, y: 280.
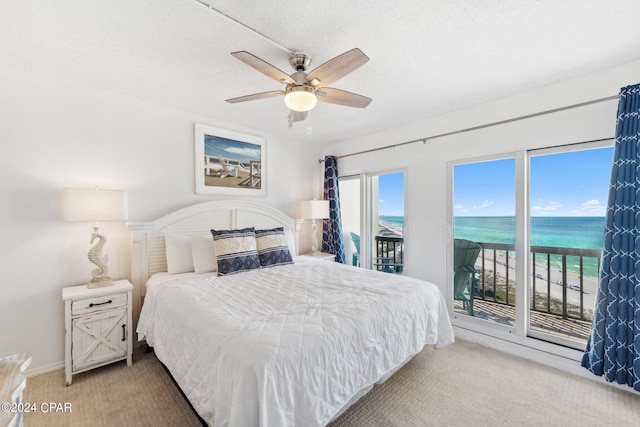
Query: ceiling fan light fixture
x: 300, y: 98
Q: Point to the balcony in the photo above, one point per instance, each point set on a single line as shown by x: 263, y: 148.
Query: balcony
x: 389, y: 254
x: 562, y: 293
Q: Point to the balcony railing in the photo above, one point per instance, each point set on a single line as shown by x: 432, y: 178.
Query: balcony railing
x: 389, y: 254
x: 554, y: 289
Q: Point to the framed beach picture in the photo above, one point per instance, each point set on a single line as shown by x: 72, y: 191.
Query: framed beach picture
x: 229, y: 162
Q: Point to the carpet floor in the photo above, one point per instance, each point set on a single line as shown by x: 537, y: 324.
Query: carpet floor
x: 462, y: 384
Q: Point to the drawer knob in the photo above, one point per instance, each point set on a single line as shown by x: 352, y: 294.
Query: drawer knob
x: 100, y: 303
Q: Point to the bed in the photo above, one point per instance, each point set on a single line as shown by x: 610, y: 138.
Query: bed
x: 294, y: 344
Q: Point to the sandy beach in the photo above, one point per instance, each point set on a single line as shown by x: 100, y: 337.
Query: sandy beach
x: 387, y: 229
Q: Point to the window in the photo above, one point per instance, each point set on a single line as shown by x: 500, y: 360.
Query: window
x: 548, y: 206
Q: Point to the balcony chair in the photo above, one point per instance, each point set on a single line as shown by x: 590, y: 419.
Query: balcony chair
x: 465, y: 254
x: 356, y: 255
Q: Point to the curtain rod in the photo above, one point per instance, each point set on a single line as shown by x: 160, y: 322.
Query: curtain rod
x: 487, y: 125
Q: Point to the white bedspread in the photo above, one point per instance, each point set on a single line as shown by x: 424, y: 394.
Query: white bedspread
x: 288, y: 345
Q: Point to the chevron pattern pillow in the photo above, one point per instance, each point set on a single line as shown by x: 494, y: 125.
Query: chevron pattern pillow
x: 235, y: 250
x: 272, y: 247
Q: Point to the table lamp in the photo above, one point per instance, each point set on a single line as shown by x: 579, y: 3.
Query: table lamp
x: 95, y: 205
x: 314, y: 209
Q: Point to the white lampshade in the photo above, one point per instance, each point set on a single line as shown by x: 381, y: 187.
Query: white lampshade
x: 314, y: 209
x: 300, y: 98
x: 81, y: 204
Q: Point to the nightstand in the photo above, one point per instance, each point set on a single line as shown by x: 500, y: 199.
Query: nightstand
x: 322, y: 255
x: 98, y: 326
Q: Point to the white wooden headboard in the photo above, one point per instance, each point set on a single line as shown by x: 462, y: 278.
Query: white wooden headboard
x: 148, y: 249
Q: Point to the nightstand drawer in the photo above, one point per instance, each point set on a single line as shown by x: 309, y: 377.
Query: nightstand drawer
x: 92, y: 305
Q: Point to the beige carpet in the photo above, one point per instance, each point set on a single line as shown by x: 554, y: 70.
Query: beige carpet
x: 463, y: 384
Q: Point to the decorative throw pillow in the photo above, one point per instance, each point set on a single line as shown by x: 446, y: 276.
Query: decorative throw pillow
x: 204, y: 255
x: 272, y: 247
x: 235, y: 250
x: 178, y: 250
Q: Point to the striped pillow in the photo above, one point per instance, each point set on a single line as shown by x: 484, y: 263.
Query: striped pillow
x: 272, y: 247
x: 235, y: 250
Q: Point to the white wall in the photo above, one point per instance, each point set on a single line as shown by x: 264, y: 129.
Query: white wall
x: 426, y: 215
x: 55, y: 134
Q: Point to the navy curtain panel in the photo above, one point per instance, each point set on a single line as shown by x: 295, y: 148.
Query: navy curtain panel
x: 613, y: 349
x: 332, y: 241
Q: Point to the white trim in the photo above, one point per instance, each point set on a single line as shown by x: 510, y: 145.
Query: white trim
x: 522, y: 243
x: 591, y: 145
x: 40, y: 370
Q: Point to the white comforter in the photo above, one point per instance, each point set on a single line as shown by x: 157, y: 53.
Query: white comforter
x: 289, y: 345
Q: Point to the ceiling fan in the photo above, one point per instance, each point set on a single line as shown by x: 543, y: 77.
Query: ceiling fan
x: 302, y: 89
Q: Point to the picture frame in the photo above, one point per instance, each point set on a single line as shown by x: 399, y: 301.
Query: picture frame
x: 228, y: 162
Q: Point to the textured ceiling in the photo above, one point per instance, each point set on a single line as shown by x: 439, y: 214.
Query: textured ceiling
x: 426, y: 57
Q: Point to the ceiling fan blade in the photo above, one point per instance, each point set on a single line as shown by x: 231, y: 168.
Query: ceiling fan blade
x: 338, y: 67
x: 256, y: 96
x: 263, y: 66
x: 299, y: 116
x: 342, y: 97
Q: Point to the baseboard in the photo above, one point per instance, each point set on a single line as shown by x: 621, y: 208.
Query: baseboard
x: 40, y: 370
x: 565, y: 364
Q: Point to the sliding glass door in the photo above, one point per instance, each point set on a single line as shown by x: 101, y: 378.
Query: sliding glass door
x: 388, y: 230
x: 567, y: 199
x: 373, y: 220
x: 484, y: 240
x: 527, y: 236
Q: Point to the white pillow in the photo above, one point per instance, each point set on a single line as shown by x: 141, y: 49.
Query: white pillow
x: 204, y: 255
x: 179, y: 257
x: 291, y: 243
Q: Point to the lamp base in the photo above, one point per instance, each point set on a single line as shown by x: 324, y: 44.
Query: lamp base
x: 101, y: 274
x: 100, y: 283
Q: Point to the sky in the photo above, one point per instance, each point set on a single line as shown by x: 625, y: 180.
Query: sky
x: 391, y: 194
x: 565, y: 184
x: 231, y: 149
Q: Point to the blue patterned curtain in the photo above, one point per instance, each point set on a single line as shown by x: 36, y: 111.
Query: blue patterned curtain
x: 613, y: 349
x: 332, y: 241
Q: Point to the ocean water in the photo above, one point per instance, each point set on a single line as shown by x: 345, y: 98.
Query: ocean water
x: 396, y: 221
x: 567, y: 232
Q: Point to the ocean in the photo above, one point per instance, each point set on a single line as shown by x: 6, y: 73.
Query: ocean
x: 396, y: 221
x: 568, y: 232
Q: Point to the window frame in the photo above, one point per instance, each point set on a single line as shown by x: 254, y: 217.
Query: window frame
x: 521, y: 333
